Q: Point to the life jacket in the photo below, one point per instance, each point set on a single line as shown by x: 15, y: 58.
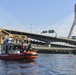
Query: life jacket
x: 22, y: 47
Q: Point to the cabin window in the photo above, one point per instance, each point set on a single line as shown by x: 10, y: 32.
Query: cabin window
x: 10, y: 47
x: 16, y: 47
x: 3, y: 48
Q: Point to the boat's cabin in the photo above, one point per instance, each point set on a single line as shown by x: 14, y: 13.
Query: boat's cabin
x: 11, y: 48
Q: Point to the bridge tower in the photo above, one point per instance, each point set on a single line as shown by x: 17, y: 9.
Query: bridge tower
x: 74, y: 23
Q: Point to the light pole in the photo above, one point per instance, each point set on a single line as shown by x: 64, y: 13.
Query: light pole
x: 55, y: 34
x: 31, y: 27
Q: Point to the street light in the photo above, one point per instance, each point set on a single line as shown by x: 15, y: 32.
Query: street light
x: 31, y: 27
x: 55, y: 33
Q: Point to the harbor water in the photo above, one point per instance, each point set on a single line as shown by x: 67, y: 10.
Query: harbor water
x: 45, y: 64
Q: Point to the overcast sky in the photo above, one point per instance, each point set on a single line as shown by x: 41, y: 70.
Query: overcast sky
x: 35, y: 15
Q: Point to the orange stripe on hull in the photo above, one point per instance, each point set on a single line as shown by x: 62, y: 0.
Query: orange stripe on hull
x: 21, y: 56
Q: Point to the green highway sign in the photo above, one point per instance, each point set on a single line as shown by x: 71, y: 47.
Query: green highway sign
x: 51, y: 31
x: 44, y: 32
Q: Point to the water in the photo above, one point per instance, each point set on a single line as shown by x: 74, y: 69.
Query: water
x: 45, y: 64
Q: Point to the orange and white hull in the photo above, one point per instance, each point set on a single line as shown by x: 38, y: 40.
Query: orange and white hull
x: 20, y: 56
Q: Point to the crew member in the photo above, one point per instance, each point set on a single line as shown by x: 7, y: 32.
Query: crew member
x: 29, y: 46
x: 22, y: 48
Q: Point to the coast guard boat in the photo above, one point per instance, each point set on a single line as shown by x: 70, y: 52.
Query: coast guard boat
x: 16, y: 51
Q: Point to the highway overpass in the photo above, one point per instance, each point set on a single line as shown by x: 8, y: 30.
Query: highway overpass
x: 44, y: 38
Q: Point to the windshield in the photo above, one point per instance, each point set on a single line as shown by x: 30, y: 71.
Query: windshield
x: 16, y: 47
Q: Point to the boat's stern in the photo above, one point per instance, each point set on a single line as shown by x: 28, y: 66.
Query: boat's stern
x: 30, y: 55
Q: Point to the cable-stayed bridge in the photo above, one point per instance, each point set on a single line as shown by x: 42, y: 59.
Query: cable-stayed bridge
x: 62, y: 28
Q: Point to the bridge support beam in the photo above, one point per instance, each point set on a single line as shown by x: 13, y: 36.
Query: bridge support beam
x: 17, y: 38
x: 48, y: 44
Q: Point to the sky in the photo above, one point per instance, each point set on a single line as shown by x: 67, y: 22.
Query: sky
x: 36, y: 15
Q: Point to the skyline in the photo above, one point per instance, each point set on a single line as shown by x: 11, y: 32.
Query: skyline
x: 38, y: 14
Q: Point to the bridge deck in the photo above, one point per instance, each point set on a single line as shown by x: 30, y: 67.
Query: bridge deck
x: 55, y: 50
x: 43, y: 37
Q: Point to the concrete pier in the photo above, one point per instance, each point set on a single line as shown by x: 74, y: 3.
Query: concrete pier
x: 54, y: 50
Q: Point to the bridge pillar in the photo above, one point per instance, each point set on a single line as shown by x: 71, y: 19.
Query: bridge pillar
x: 75, y: 13
x: 74, y: 23
x: 48, y: 44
